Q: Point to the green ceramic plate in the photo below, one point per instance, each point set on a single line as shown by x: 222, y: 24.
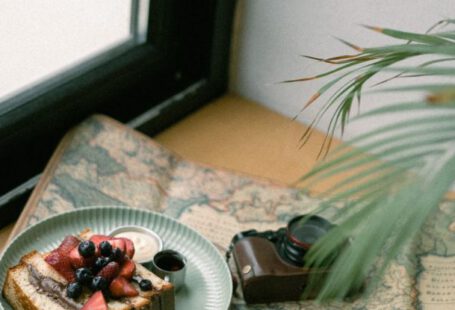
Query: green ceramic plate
x: 209, y: 285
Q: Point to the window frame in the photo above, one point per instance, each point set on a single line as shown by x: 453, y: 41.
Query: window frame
x: 33, y: 122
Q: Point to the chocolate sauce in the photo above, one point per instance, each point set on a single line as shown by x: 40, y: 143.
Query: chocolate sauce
x: 52, y: 288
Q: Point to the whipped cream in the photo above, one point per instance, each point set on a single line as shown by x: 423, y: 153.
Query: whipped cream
x: 145, y: 245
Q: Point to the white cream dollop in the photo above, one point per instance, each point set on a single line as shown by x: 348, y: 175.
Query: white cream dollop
x: 145, y: 245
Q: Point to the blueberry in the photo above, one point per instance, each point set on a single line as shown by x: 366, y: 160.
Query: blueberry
x: 87, y: 248
x: 145, y: 285
x: 117, y: 255
x: 99, y: 284
x: 105, y: 248
x: 101, y: 262
x: 74, y: 290
x: 84, y: 276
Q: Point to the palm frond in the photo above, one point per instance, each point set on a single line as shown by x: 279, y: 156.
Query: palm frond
x: 392, y: 194
x: 409, y: 36
x: 391, y: 178
x: 367, y: 64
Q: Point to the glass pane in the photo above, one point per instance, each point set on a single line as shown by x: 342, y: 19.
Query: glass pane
x: 39, y: 39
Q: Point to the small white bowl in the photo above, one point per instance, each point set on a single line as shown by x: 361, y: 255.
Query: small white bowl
x: 147, y: 262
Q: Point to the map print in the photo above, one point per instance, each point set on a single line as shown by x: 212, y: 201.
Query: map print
x: 103, y: 162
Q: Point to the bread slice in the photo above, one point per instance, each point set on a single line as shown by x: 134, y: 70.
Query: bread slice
x: 21, y: 293
x: 34, y: 284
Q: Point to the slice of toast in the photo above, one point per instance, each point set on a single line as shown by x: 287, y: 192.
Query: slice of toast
x: 34, y: 284
x: 21, y: 293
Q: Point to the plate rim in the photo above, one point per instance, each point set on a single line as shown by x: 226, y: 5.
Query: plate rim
x: 126, y: 209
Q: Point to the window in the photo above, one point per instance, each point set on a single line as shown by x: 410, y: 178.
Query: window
x: 170, y: 60
x: 41, y: 39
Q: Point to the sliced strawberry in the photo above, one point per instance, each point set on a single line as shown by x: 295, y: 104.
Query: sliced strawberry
x: 78, y: 261
x: 118, y: 243
x: 96, y: 302
x: 69, y: 243
x: 127, y: 269
x: 129, y: 247
x: 110, y: 271
x: 61, y: 264
x: 97, y: 239
x: 120, y: 287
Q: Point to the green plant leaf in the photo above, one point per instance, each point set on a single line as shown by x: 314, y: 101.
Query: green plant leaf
x: 415, y: 37
x: 381, y: 174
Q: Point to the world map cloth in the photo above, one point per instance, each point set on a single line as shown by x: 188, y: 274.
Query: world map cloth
x: 104, y: 163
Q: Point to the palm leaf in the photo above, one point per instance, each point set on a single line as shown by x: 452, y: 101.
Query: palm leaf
x: 392, y: 178
x: 390, y: 220
x: 415, y: 37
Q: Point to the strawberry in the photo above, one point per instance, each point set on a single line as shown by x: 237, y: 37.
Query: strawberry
x: 129, y: 247
x: 127, y: 269
x: 78, y: 261
x: 120, y: 287
x: 69, y: 243
x: 118, y: 243
x: 96, y: 302
x: 61, y: 264
x: 109, y: 271
x: 97, y: 239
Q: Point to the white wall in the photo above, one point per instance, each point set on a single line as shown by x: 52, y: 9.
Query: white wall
x: 270, y: 36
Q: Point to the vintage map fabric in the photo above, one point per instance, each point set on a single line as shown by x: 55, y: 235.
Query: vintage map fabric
x: 102, y: 162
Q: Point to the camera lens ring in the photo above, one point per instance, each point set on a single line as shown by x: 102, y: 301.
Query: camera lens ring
x: 301, y: 233
x: 317, y: 223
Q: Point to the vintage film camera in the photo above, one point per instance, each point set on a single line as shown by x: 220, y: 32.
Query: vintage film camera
x: 270, y: 264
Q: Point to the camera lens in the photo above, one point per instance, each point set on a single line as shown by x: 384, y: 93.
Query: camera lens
x: 302, y: 232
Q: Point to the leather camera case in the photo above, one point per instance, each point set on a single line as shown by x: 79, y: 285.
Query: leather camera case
x: 265, y: 277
